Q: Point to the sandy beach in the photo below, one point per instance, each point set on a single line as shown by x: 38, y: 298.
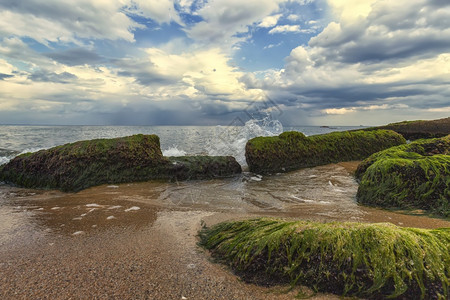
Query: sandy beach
x: 145, y: 253
x: 139, y: 241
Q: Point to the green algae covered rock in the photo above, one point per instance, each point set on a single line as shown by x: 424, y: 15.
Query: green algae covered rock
x: 293, y: 150
x: 374, y: 261
x: 415, y: 175
x: 203, y: 167
x: 413, y: 130
x: 79, y: 165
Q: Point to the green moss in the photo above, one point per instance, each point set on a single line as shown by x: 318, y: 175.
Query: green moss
x: 416, y: 175
x: 366, y: 260
x: 292, y: 150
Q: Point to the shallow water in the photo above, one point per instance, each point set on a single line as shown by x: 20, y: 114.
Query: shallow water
x: 325, y: 193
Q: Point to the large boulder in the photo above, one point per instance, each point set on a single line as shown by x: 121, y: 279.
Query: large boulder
x: 416, y: 175
x: 293, y: 150
x: 373, y: 261
x: 413, y: 130
x: 79, y: 165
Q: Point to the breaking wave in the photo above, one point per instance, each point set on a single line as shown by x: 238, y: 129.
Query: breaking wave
x: 231, y: 140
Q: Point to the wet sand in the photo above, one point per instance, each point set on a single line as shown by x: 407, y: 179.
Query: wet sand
x: 150, y: 253
x: 139, y: 241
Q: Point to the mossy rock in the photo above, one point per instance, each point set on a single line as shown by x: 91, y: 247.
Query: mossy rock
x: 420, y: 129
x: 293, y: 150
x: 203, y: 167
x: 374, y: 261
x: 415, y: 175
x: 79, y: 165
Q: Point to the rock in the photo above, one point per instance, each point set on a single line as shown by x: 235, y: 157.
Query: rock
x: 203, y: 167
x: 413, y: 130
x: 372, y: 261
x: 293, y: 150
x: 76, y: 166
x: 409, y: 176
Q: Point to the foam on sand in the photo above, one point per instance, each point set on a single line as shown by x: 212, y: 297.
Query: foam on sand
x: 133, y: 208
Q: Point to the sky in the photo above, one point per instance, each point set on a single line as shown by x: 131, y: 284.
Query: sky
x: 221, y: 62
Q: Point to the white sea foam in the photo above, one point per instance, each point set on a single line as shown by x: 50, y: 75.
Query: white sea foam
x: 110, y: 218
x: 174, y: 151
x: 115, y: 207
x: 4, y: 160
x: 256, y: 178
x: 231, y: 140
x: 7, y: 155
x: 78, y: 232
x: 132, y: 208
x: 93, y: 205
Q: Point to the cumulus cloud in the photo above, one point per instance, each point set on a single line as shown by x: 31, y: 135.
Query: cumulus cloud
x: 223, y: 19
x: 162, y: 11
x: 195, y: 75
x: 285, y: 29
x: 377, y: 56
x: 389, y: 31
x: 65, y: 20
x: 270, y: 21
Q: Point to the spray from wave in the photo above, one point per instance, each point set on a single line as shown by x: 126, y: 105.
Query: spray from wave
x: 173, y: 151
x: 6, y: 155
x: 231, y: 140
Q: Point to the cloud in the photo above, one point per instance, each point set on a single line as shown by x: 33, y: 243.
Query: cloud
x: 65, y: 20
x: 377, y: 56
x: 64, y: 77
x: 75, y: 56
x: 196, y: 74
x: 194, y: 86
x: 270, y: 21
x: 162, y: 11
x: 223, y: 19
x: 293, y: 17
x: 285, y: 29
x: 390, y: 31
x: 4, y: 76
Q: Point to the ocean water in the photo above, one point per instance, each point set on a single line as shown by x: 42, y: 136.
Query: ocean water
x: 175, y: 140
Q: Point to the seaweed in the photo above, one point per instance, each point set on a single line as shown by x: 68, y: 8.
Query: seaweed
x: 293, y: 150
x: 415, y: 175
x: 353, y: 259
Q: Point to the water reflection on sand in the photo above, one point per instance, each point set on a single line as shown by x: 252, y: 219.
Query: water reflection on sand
x: 323, y: 193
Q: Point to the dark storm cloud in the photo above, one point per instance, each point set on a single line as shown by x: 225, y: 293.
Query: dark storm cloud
x: 76, y: 56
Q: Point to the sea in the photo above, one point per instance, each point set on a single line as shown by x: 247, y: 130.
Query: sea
x: 324, y: 193
x: 175, y: 140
